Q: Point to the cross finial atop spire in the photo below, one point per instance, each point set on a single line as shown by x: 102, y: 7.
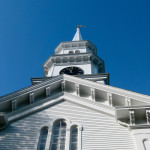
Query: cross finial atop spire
x: 77, y: 36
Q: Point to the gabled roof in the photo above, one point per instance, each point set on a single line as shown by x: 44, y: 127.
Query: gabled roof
x: 102, y: 98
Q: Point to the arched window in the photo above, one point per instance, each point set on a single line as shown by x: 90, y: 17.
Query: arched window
x: 59, y: 135
x: 42, y: 139
x: 70, y: 52
x: 146, y: 143
x: 77, y: 51
x: 74, y: 138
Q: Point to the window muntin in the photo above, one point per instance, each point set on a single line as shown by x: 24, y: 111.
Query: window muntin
x: 43, y: 138
x: 74, y: 138
x: 59, y: 135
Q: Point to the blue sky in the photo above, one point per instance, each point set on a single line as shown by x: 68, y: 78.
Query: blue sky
x: 30, y: 30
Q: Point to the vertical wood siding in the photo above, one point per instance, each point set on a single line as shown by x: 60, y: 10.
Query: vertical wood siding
x: 100, y: 132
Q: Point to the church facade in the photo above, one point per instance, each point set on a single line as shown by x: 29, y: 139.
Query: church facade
x: 73, y: 107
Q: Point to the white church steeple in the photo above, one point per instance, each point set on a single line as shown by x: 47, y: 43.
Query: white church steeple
x: 76, y: 57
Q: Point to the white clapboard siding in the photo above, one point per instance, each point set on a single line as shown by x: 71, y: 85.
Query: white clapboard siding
x: 100, y: 132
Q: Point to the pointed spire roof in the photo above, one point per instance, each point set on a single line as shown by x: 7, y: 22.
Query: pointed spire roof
x: 77, y: 36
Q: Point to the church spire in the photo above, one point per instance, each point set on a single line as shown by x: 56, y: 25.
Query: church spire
x: 77, y: 36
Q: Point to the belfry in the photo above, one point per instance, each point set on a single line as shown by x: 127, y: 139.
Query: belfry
x: 73, y: 107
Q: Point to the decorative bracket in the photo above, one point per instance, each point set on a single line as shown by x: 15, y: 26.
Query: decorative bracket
x: 31, y: 98
x: 109, y: 98
x: 77, y: 89
x: 93, y: 94
x: 3, y: 120
x: 148, y: 116
x: 14, y: 105
x: 132, y: 117
x: 63, y: 85
x: 48, y: 91
x: 127, y: 101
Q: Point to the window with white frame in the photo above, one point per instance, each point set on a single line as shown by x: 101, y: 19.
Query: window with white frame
x: 74, y: 138
x: 58, y: 135
x: 64, y: 135
x: 43, y: 138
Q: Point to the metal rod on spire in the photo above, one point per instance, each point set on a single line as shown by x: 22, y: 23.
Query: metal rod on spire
x: 79, y: 26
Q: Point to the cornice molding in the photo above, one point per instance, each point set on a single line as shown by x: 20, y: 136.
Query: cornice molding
x: 75, y: 44
x: 92, y: 77
x: 80, y: 91
x: 30, y: 89
x: 75, y: 59
x: 108, y: 88
x: 53, y: 100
